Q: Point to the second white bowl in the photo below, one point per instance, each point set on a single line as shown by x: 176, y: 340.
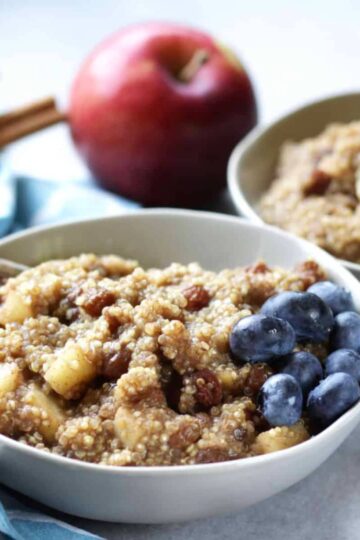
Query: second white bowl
x: 252, y: 164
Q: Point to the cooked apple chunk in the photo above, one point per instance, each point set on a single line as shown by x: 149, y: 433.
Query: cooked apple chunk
x: 69, y: 371
x: 14, y: 308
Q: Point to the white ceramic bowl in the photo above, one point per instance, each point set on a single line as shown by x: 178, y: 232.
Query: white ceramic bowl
x: 252, y: 163
x: 168, y: 494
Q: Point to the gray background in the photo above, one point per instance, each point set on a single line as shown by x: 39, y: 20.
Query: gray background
x: 295, y: 52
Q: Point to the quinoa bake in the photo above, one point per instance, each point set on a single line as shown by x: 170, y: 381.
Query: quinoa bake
x: 105, y: 362
x: 316, y: 190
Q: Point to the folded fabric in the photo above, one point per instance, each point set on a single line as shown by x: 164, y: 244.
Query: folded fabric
x: 21, y: 523
x: 7, y: 199
x: 25, y: 202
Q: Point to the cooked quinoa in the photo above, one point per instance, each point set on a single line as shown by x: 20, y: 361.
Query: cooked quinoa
x: 316, y: 190
x: 105, y: 362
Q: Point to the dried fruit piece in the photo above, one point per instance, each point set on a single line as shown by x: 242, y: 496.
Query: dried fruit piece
x: 310, y: 272
x: 318, y: 184
x: 112, y: 321
x: 116, y: 364
x: 258, y: 374
x: 188, y: 433
x: 204, y: 419
x: 171, y: 382
x: 97, y: 300
x: 208, y: 388
x: 213, y: 454
x: 257, y: 418
x: 259, y: 267
x: 197, y: 297
x: 258, y: 293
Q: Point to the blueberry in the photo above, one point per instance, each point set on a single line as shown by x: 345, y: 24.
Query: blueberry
x: 346, y: 332
x: 304, y: 367
x: 259, y: 338
x: 310, y: 317
x: 332, y: 397
x: 345, y: 361
x: 280, y: 400
x: 336, y: 297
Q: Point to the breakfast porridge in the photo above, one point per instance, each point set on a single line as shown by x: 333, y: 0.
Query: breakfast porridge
x: 316, y: 190
x: 105, y: 362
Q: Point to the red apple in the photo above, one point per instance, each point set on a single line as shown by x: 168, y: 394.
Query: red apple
x: 156, y: 110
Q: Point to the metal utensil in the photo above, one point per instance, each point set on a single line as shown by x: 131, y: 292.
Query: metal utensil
x: 10, y: 268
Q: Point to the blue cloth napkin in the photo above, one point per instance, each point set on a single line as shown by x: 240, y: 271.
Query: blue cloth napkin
x: 7, y: 199
x: 25, y: 202
x: 18, y: 523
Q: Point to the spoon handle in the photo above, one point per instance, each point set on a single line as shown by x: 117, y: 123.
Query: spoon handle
x: 10, y: 268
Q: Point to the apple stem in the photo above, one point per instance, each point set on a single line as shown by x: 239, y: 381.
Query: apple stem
x: 199, y: 58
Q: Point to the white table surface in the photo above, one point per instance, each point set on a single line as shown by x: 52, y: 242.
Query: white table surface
x: 295, y: 52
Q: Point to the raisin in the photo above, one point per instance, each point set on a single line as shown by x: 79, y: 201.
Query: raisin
x: 117, y: 364
x: 309, y: 272
x: 259, y: 293
x: 212, y: 454
x: 67, y: 315
x: 112, y: 321
x: 186, y: 434
x: 258, y: 268
x: 208, y: 388
x: 67, y: 310
x: 256, y: 378
x: 154, y: 397
x: 259, y: 421
x: 318, y: 184
x: 204, y: 419
x: 97, y: 300
x: 197, y: 297
x: 171, y: 382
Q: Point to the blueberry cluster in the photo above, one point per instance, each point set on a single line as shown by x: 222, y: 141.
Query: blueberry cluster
x: 324, y: 314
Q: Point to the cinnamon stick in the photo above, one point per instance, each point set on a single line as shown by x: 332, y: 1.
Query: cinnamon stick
x: 29, y: 119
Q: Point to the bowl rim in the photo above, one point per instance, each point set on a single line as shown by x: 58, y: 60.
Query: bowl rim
x: 241, y: 203
x: 214, y: 468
